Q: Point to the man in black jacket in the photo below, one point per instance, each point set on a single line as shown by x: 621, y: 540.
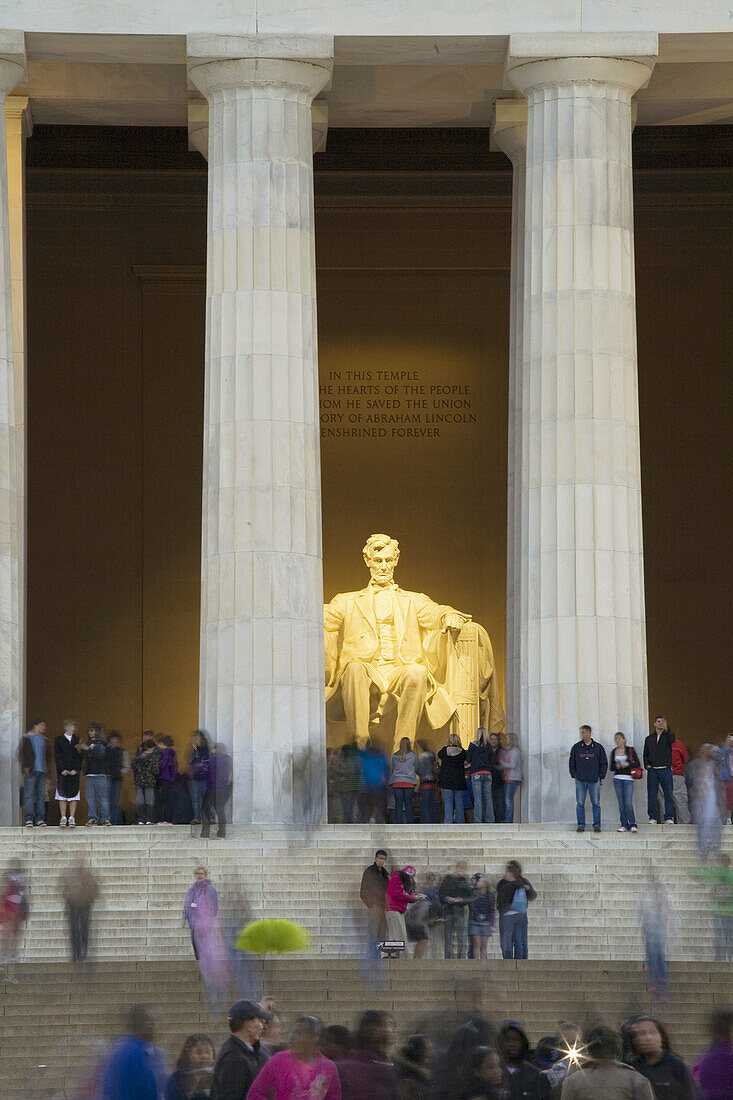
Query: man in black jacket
x: 523, y: 1079
x: 588, y: 767
x: 373, y: 893
x: 658, y: 762
x: 241, y: 1057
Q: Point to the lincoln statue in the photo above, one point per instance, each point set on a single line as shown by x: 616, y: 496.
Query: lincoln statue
x: 386, y: 646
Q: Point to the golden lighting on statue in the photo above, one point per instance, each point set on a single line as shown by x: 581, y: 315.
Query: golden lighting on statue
x: 394, y: 653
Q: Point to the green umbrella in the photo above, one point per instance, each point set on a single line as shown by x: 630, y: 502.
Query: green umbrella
x: 273, y: 937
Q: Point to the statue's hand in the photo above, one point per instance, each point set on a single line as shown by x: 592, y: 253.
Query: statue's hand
x: 454, y: 623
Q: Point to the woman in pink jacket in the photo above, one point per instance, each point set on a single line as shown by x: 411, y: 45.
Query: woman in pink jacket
x: 399, y: 895
x: 300, y: 1073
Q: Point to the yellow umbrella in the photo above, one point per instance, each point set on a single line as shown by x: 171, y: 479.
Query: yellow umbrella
x: 273, y: 937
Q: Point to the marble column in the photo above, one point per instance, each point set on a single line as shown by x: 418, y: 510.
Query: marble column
x: 262, y: 663
x: 582, y: 649
x: 509, y: 133
x: 12, y: 501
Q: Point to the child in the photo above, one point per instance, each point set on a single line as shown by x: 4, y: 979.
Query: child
x: 145, y: 771
x: 167, y: 772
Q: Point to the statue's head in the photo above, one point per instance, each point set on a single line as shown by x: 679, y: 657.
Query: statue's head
x: 381, y: 553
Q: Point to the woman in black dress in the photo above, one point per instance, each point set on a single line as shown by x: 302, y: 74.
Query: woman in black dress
x: 68, y: 768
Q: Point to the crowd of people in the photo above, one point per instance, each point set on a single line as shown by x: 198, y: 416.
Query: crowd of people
x: 165, y: 793
x: 480, y: 783
x: 474, y: 1060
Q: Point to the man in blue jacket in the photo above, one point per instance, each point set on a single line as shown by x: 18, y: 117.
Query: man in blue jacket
x: 588, y: 766
x: 135, y: 1069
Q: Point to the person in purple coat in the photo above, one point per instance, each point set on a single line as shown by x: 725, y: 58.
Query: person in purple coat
x: 367, y: 1071
x: 715, y: 1072
x: 167, y: 772
x: 218, y: 790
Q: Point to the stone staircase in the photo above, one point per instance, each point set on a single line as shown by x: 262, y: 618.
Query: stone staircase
x: 55, y: 1024
x: 587, y: 884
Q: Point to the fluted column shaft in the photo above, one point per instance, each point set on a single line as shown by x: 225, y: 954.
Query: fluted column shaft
x: 12, y: 502
x: 510, y: 135
x: 261, y: 664
x: 583, y: 644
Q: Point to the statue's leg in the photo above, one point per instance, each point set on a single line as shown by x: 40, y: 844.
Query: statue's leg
x: 355, y: 687
x: 411, y: 690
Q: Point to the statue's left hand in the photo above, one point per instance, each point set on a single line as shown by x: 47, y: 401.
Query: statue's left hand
x: 454, y: 623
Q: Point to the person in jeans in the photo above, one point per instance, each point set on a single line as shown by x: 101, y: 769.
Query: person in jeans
x: 426, y: 770
x: 455, y: 892
x: 145, y: 772
x: 34, y: 767
x: 96, y: 771
x: 479, y: 767
x: 623, y: 759
x: 658, y: 763
x: 373, y: 892
x: 511, y: 765
x: 452, y: 778
x: 198, y: 762
x: 513, y: 893
x: 588, y: 766
x: 119, y: 766
x: 403, y: 779
x: 497, y: 777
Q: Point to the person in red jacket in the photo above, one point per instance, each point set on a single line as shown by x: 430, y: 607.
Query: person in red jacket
x: 400, y: 892
x: 680, y: 758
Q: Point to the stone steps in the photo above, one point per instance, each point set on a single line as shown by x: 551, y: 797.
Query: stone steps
x: 86, y: 1003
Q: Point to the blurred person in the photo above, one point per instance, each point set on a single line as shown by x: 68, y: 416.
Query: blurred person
x: 422, y: 914
x: 524, y: 1079
x: 80, y: 890
x: 335, y: 1042
x: 403, y: 780
x: 427, y: 771
x: 272, y: 1034
x: 373, y: 893
x: 68, y: 761
x: 720, y: 880
x: 34, y: 761
x: 656, y: 916
x: 367, y: 1073
x: 452, y: 778
x: 680, y: 759
x: 658, y: 764
x: 145, y: 772
x: 451, y: 1063
x: 513, y: 893
x: 300, y: 1072
x: 335, y: 777
x: 455, y: 893
x: 479, y: 759
x: 351, y: 784
x: 602, y: 1076
x: 623, y: 761
x: 571, y: 1049
x: 194, y: 1072
x: 716, y: 1068
x: 511, y: 764
x: 198, y: 763
x: 241, y: 1057
x: 726, y: 775
x: 497, y: 777
x: 548, y: 1059
x: 481, y: 916
x: 588, y: 765
x: 95, y: 767
x: 119, y: 766
x: 167, y: 772
x: 484, y: 1077
x: 374, y: 767
x: 218, y: 791
x: 414, y: 1076
x: 400, y: 892
x: 652, y: 1058
x: 708, y: 800
x: 14, y: 913
x: 135, y: 1069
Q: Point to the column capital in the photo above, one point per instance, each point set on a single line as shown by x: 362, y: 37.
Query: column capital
x: 542, y: 60
x: 509, y: 128
x: 198, y: 126
x: 303, y: 62
x: 12, y: 60
x: 18, y: 112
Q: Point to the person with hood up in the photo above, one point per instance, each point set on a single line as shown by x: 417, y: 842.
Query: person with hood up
x: 400, y: 892
x: 602, y: 1075
x: 524, y: 1080
x: 367, y: 1073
